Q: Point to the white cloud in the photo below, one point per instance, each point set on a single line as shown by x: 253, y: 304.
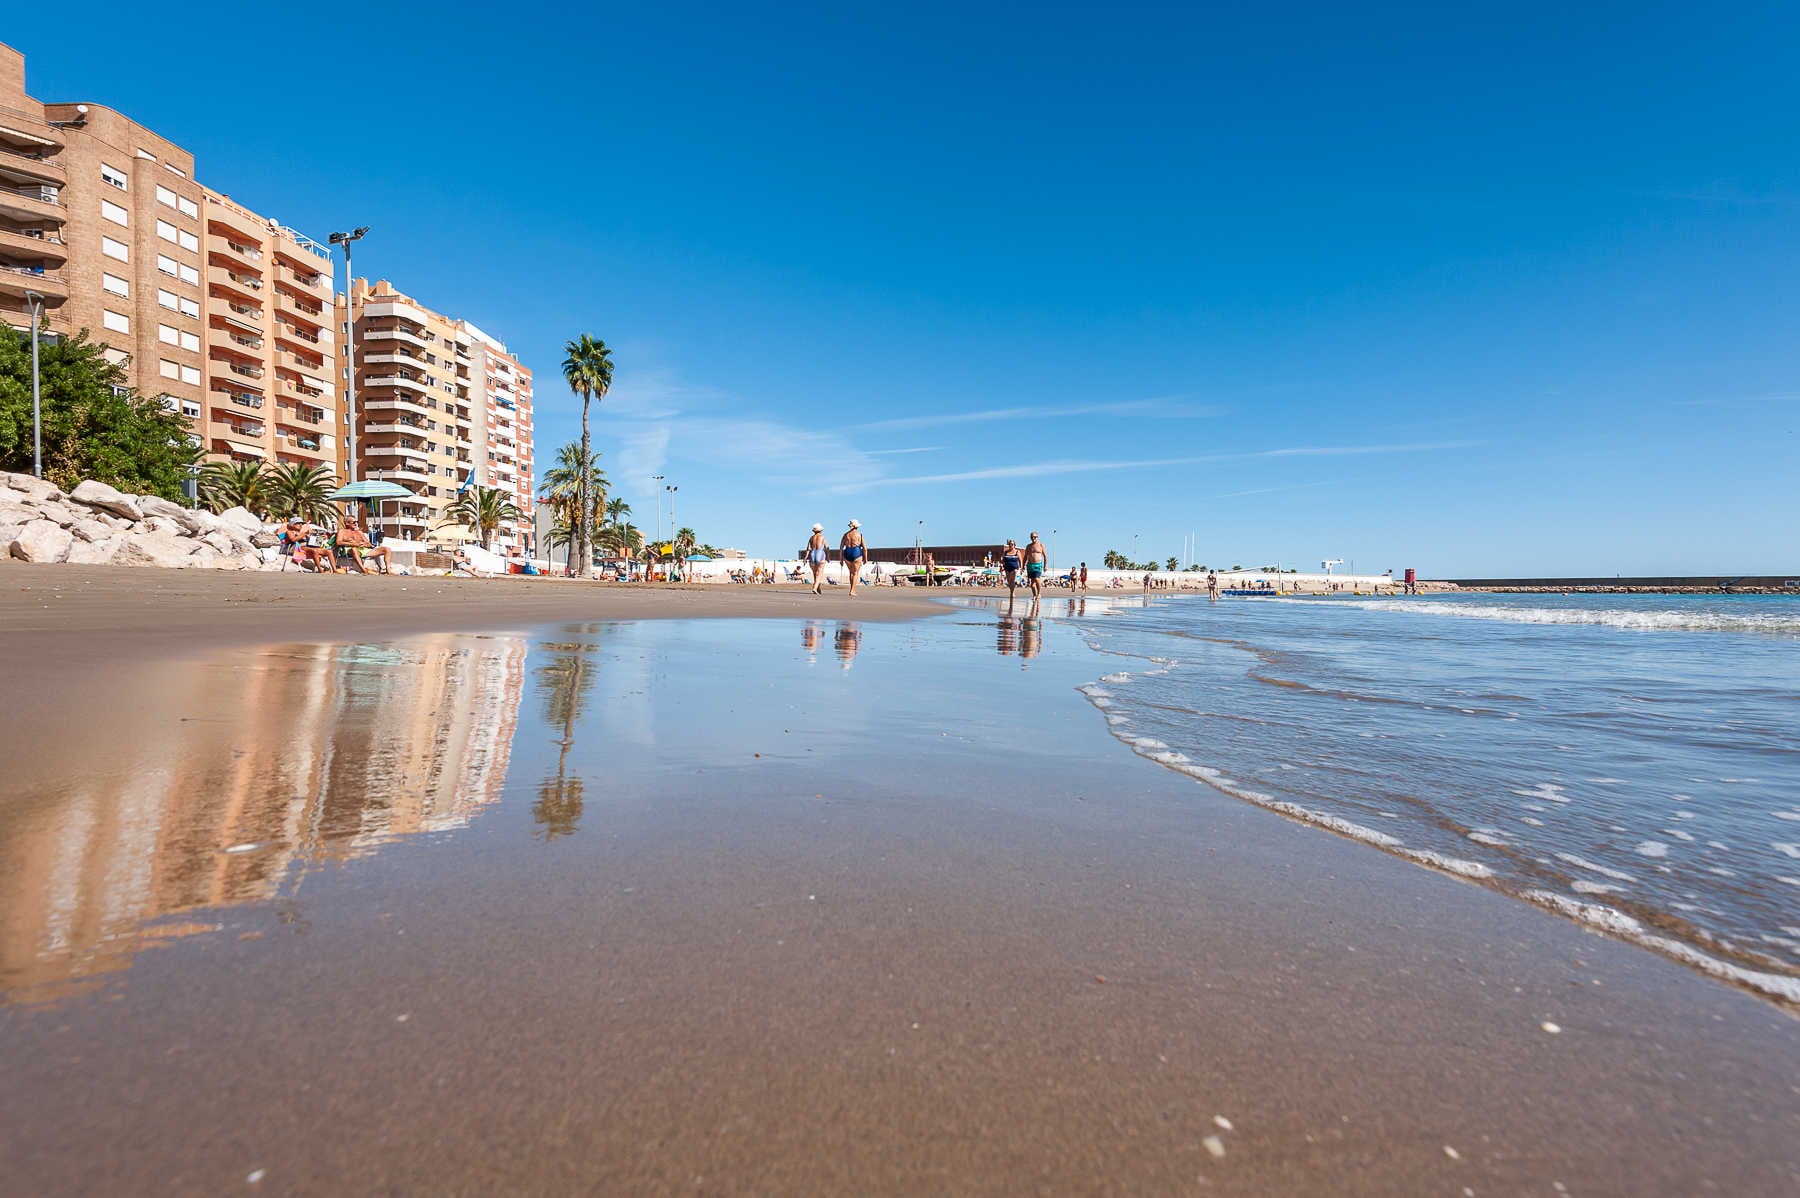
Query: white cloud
x: 1148, y: 407
x: 915, y: 449
x: 1091, y: 465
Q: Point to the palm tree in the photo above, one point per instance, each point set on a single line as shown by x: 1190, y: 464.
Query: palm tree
x: 1174, y: 564
x: 588, y: 370
x: 683, y: 545
x: 562, y: 482
x: 484, y: 509
x: 233, y: 484
x: 616, y: 511
x: 299, y: 490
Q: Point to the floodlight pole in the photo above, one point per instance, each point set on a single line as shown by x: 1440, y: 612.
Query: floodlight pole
x: 344, y: 239
x: 36, y: 303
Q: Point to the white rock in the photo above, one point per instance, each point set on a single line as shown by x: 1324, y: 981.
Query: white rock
x: 95, y: 553
x: 221, y: 542
x: 187, y: 518
x: 242, y: 518
x: 205, y: 558
x: 164, y: 525
x: 90, y: 529
x: 41, y: 541
x: 154, y: 549
x: 107, y: 499
x: 37, y: 488
x: 14, y: 509
x: 250, y: 561
x: 266, y: 539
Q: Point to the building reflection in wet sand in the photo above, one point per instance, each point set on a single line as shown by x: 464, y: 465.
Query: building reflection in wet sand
x: 295, y: 756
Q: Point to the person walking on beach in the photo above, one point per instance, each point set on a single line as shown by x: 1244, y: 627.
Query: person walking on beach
x: 1010, y: 561
x: 1036, y: 558
x: 1084, y: 576
x: 931, y: 578
x: 815, y: 557
x: 852, y: 545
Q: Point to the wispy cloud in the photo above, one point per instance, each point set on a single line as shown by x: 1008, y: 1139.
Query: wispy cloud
x: 1166, y: 408
x: 1058, y: 466
x: 1275, y: 490
x: 876, y: 453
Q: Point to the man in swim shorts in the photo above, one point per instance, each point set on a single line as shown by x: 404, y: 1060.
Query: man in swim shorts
x: 1036, y: 559
x: 852, y: 546
x: 815, y: 557
x: 1010, y: 562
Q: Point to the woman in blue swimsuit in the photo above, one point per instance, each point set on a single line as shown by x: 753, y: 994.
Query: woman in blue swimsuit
x: 1009, y: 561
x: 852, y: 545
x: 815, y: 556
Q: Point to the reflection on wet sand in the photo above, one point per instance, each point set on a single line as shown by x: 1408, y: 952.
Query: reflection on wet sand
x: 252, y: 770
x: 848, y: 641
x: 1023, y: 635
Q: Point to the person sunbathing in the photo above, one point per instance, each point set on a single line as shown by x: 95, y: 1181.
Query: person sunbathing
x: 308, y: 546
x: 350, y: 536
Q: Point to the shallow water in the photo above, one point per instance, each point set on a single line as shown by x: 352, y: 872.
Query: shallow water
x: 1630, y: 760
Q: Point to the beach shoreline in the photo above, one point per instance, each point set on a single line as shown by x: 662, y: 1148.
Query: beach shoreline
x: 1099, y: 976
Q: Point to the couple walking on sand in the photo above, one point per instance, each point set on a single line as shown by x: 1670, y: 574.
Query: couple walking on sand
x: 851, y: 544
x: 1035, y: 561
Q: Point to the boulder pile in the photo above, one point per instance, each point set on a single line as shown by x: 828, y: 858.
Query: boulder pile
x: 97, y: 525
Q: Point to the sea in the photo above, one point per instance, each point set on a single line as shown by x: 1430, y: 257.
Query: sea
x: 1632, y: 762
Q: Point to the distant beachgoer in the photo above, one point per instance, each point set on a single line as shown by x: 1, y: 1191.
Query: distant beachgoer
x: 1212, y: 585
x: 1010, y: 561
x: 1036, y: 559
x: 815, y: 556
x: 1084, y: 576
x: 350, y: 536
x: 931, y: 578
x: 852, y: 545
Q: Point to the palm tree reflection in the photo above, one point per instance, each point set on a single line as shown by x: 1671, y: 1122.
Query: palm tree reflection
x: 566, y: 681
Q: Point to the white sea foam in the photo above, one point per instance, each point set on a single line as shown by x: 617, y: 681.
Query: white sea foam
x: 1583, y: 886
x: 1789, y: 815
x: 1550, y: 792
x: 1455, y: 865
x: 1653, y: 848
x: 1526, y: 819
x: 1624, y: 926
x: 1489, y: 839
x: 1592, y: 867
x: 1786, y: 849
x: 1608, y: 617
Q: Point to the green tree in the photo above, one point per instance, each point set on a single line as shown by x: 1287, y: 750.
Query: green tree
x: 94, y: 425
x: 299, y: 490
x: 562, y: 484
x: 234, y: 484
x: 588, y: 369
x: 1172, y: 564
x: 483, y: 509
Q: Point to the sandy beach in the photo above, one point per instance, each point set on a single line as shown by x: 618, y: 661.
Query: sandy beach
x: 321, y: 886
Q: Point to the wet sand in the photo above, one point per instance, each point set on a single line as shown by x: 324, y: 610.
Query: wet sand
x: 779, y: 906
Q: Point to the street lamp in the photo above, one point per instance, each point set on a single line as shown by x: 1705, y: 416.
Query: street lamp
x: 671, y: 490
x: 1052, y: 550
x: 656, y: 478
x: 35, y: 302
x: 344, y: 239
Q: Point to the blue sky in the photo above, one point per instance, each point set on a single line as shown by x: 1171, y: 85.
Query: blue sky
x: 1479, y: 289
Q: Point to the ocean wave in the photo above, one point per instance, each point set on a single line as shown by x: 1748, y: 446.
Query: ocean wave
x: 1607, y: 617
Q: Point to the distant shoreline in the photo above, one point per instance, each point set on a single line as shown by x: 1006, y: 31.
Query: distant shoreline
x: 1714, y: 584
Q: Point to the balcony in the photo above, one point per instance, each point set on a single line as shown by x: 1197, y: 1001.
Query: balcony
x: 244, y: 250
x: 45, y: 244
x: 395, y: 380
x: 247, y: 372
x: 244, y: 340
x: 21, y: 131
x: 290, y: 414
x: 235, y: 313
x: 301, y: 390
x: 231, y: 284
x: 404, y: 336
x: 293, y: 332
x: 312, y: 313
x: 32, y: 204
x: 226, y: 222
x: 399, y: 476
x: 35, y: 166
x: 17, y: 280
x: 372, y: 404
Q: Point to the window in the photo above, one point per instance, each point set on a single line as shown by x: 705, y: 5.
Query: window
x: 190, y: 341
x: 190, y: 274
x: 113, y: 175
x: 165, y: 230
x: 190, y: 375
x: 118, y: 322
x: 117, y: 357
x: 168, y: 334
x: 115, y: 249
x: 168, y: 299
x: 168, y: 166
x: 165, y: 196
x: 114, y: 213
x: 187, y: 206
x: 188, y: 241
x: 168, y: 266
x: 115, y: 284
x: 170, y: 370
x: 190, y: 409
x: 190, y: 308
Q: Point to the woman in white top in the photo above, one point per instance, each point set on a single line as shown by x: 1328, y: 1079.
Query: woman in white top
x: 815, y: 555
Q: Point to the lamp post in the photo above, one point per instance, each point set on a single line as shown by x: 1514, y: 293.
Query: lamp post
x: 344, y: 239
x: 671, y: 490
x: 1052, y: 551
x: 656, y: 478
x: 1134, y: 537
x: 35, y: 302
